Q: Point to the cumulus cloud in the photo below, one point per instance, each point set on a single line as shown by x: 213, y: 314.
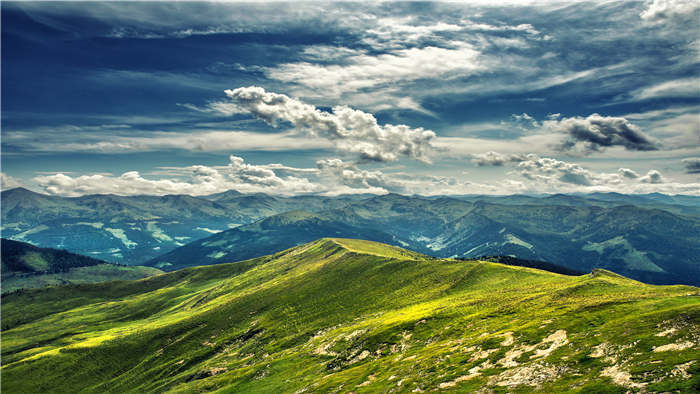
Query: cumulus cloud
x: 8, y: 182
x: 653, y: 176
x: 556, y: 173
x: 597, y: 132
x: 495, y: 159
x: 351, y: 130
x: 661, y: 10
x: 627, y: 173
x: 195, y: 180
x: 692, y: 165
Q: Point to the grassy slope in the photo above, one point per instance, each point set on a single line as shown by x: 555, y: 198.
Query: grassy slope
x: 91, y: 274
x: 25, y: 266
x: 352, y: 316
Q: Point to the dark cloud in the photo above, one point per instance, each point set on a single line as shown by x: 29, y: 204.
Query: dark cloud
x: 597, y: 132
x: 692, y: 165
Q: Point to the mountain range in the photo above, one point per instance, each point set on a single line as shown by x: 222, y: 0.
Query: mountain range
x: 654, y: 238
x: 349, y: 315
x: 643, y: 243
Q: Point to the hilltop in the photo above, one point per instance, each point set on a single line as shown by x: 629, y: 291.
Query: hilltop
x: 352, y: 315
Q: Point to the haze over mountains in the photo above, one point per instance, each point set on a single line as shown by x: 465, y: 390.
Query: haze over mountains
x: 653, y: 238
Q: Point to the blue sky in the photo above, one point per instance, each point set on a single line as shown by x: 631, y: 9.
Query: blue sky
x: 323, y: 98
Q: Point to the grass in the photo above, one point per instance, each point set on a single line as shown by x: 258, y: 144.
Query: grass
x: 76, y: 275
x: 348, y: 315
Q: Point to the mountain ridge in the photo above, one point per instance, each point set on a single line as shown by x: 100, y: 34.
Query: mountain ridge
x: 354, y: 315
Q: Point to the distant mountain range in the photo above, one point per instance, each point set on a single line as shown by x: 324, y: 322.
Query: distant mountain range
x: 647, y: 244
x: 25, y: 266
x: 134, y: 229
x: 340, y: 315
x: 653, y: 238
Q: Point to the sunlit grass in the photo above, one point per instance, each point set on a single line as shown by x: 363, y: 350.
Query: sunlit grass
x: 345, y: 315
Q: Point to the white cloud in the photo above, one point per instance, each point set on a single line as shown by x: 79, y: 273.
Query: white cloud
x: 555, y: 173
x: 199, y: 180
x: 365, y: 71
x: 495, y: 159
x: 351, y: 130
x: 332, y: 177
x: 661, y: 10
x: 8, y: 182
x: 204, y: 141
x: 653, y: 176
x: 627, y: 173
x: 685, y: 87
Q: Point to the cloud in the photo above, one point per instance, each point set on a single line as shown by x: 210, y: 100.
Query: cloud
x: 662, y: 10
x: 692, y: 165
x: 653, y: 176
x: 8, y: 182
x: 351, y: 130
x: 558, y: 174
x: 684, y: 87
x: 597, y: 132
x: 627, y: 173
x: 91, y: 140
x: 363, y: 71
x: 495, y: 159
x: 196, y: 180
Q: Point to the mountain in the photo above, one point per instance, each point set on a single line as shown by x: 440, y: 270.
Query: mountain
x: 275, y: 233
x: 349, y: 315
x: 134, y: 229
x: 624, y: 233
x: 650, y: 245
x: 26, y: 266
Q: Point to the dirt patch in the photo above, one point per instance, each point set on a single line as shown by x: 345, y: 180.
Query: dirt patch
x: 508, y: 339
x: 621, y: 377
x: 479, y: 354
x: 530, y: 375
x: 681, y: 370
x: 453, y: 383
x: 601, y: 350
x: 367, y: 382
x: 508, y: 360
x: 556, y: 340
x: 667, y: 332
x: 673, y: 346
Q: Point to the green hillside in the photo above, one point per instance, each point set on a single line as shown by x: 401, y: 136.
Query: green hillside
x: 26, y: 266
x: 339, y: 315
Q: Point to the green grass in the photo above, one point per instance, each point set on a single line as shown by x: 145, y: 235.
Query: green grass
x: 339, y: 315
x: 77, y: 275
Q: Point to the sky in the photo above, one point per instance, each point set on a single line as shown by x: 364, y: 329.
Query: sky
x: 426, y: 98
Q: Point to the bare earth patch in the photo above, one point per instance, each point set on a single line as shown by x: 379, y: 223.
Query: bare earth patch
x: 529, y: 375
x: 673, y: 346
x: 621, y: 377
x: 681, y: 370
